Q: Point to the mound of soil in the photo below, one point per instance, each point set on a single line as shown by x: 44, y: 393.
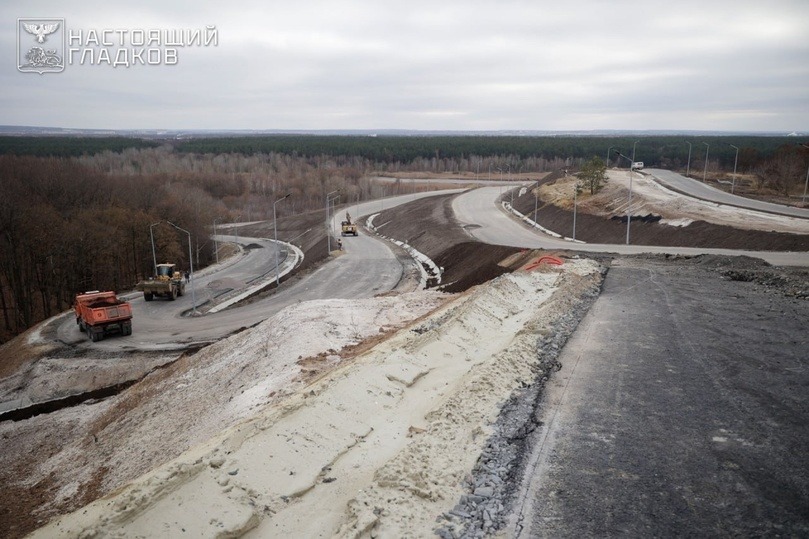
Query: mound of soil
x: 429, y: 225
x: 471, y: 263
x: 306, y: 230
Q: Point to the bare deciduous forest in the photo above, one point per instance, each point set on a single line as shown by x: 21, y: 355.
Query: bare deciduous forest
x: 80, y: 220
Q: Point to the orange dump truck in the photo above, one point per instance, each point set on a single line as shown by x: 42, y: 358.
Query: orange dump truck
x: 98, y: 313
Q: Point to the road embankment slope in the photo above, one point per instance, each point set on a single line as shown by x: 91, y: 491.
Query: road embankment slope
x: 385, y: 442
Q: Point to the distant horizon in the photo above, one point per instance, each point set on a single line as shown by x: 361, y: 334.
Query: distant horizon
x: 30, y: 130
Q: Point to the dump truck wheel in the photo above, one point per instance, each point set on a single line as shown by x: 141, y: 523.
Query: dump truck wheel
x: 127, y: 328
x: 147, y: 296
x: 94, y: 336
x: 173, y: 293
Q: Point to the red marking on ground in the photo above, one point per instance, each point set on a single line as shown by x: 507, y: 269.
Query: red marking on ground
x: 544, y: 260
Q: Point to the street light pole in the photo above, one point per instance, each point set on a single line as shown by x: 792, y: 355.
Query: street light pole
x: 806, y: 184
x: 575, y: 201
x: 536, y: 198
x: 688, y: 166
x: 328, y: 224
x: 332, y: 202
x: 191, y: 264
x: 512, y: 188
x: 705, y: 172
x: 628, y: 214
x: 154, y: 257
x: 735, y: 162
x: 608, y: 155
x: 629, y: 207
x: 275, y: 234
x: 215, y: 244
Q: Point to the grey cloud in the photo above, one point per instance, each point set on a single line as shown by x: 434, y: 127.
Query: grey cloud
x: 451, y: 65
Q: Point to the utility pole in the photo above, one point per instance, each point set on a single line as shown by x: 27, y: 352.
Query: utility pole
x: 191, y: 264
x: 629, y: 206
x: 275, y: 234
x: 705, y: 172
x: 328, y: 221
x: 575, y: 202
x: 688, y: 166
x: 154, y: 257
x: 735, y: 162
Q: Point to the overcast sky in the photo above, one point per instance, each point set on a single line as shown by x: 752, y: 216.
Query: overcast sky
x: 473, y: 65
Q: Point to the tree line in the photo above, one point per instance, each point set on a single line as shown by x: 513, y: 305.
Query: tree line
x: 664, y: 151
x: 72, y: 224
x: 66, y: 228
x: 68, y: 146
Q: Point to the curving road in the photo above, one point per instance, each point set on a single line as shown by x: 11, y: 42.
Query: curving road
x: 697, y: 189
x: 366, y: 267
x: 160, y: 324
x: 491, y: 225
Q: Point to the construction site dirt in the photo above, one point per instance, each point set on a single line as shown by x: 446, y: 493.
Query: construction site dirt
x: 57, y: 462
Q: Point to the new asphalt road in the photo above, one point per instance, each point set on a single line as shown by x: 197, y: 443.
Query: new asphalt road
x: 680, y: 410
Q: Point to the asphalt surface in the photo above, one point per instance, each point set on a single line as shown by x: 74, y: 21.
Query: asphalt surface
x: 160, y: 324
x: 675, y: 413
x: 488, y: 223
x: 697, y: 189
x: 364, y: 268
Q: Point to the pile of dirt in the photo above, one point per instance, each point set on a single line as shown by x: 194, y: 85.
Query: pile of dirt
x: 307, y: 231
x: 471, y: 263
x: 429, y: 225
x: 788, y: 281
